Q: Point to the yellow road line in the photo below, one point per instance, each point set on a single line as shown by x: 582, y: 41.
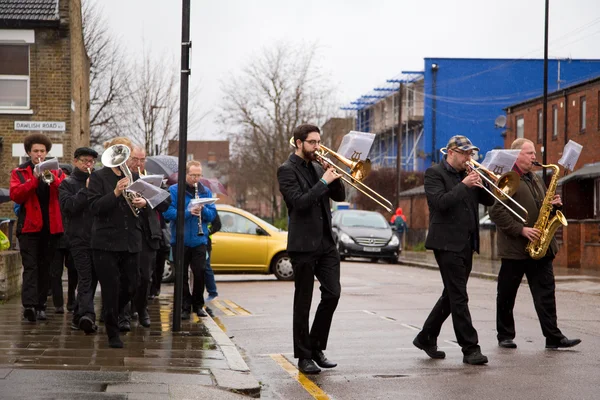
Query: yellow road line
x: 225, y: 310
x: 220, y: 324
x: 237, y: 308
x: 306, y: 383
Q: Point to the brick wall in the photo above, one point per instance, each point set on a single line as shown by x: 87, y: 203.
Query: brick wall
x: 417, y: 217
x: 580, y: 246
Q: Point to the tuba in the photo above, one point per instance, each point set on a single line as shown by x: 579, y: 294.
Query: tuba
x: 116, y: 157
x: 547, y: 226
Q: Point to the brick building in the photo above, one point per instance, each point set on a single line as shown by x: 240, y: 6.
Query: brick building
x: 44, y: 80
x: 213, y: 154
x: 573, y: 114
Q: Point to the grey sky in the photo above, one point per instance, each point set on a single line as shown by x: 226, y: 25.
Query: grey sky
x: 362, y: 43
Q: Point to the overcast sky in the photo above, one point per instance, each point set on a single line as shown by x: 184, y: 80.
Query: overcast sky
x: 362, y: 43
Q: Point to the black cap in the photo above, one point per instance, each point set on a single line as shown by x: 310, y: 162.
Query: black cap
x: 85, y: 151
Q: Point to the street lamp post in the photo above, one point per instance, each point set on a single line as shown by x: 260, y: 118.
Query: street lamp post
x: 545, y: 101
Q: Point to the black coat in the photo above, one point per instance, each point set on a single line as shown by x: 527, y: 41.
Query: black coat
x: 115, y: 228
x: 452, y: 209
x: 74, y: 206
x: 151, y: 225
x: 306, y: 202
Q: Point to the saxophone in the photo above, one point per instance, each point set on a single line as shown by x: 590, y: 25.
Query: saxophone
x: 547, y: 226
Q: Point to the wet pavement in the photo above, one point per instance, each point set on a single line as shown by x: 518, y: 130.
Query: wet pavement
x: 154, y: 363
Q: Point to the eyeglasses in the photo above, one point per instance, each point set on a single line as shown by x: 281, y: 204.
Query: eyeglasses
x: 195, y: 176
x: 140, y: 160
x: 313, y: 142
x: 464, y: 153
x: 86, y: 160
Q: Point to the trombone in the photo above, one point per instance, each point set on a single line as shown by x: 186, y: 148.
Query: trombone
x: 504, y: 185
x: 358, y: 171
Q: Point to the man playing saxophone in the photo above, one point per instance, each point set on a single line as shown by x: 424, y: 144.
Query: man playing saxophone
x: 513, y: 237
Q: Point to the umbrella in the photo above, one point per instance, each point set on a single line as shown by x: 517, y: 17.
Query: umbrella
x: 4, y: 197
x: 162, y: 165
x: 212, y: 183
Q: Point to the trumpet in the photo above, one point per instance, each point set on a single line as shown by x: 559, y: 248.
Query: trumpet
x: 116, y: 157
x: 46, y: 175
x: 504, y: 186
x: 358, y: 172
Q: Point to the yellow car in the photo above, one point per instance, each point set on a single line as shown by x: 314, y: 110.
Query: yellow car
x: 246, y: 244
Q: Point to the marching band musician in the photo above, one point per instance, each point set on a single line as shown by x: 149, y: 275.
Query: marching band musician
x: 116, y: 242
x: 195, y: 237
x: 151, y: 234
x: 513, y: 237
x: 306, y: 188
x: 39, y: 225
x: 453, y: 195
x: 78, y: 227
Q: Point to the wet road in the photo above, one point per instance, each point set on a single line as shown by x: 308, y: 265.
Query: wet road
x: 381, y: 310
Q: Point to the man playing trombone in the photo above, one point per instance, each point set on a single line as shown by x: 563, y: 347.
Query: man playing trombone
x: 453, y: 195
x: 306, y: 188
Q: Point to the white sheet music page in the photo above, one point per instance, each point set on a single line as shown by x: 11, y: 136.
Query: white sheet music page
x: 571, y: 154
x: 500, y: 161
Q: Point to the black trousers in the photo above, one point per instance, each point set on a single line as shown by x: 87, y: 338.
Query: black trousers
x: 540, y: 278
x: 87, y: 282
x: 195, y: 258
x: 146, y: 270
x: 62, y: 258
x: 118, y: 276
x: 455, y: 268
x: 161, y: 258
x: 325, y: 265
x: 37, y: 251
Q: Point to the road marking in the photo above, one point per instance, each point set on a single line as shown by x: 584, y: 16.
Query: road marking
x: 414, y: 328
x: 224, y: 309
x: 369, y: 312
x: 306, y: 383
x: 388, y: 319
x: 237, y: 308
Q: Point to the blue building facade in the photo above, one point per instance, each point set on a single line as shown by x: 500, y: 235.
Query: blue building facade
x: 465, y: 96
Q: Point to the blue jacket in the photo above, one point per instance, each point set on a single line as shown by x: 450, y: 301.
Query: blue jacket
x: 190, y: 235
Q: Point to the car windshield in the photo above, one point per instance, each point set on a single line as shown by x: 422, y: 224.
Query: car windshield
x: 269, y: 225
x: 364, y: 220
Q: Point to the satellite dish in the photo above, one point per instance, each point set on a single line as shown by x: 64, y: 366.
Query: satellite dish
x: 500, y: 121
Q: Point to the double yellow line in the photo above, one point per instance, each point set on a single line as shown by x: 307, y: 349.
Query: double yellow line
x: 306, y: 383
x: 230, y: 308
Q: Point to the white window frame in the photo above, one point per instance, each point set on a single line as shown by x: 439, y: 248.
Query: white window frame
x: 521, y: 128
x: 18, y: 37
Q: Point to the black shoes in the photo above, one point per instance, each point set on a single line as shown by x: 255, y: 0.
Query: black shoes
x: 432, y: 351
x: 144, y: 319
x: 563, y: 344
x: 507, y: 344
x: 321, y: 360
x: 59, y: 310
x: 87, y: 325
x: 41, y: 315
x: 209, y: 311
x: 185, y: 315
x: 70, y: 306
x: 29, y: 314
x: 307, y: 366
x: 475, y: 358
x: 124, y: 325
x: 201, y: 313
x: 115, y: 342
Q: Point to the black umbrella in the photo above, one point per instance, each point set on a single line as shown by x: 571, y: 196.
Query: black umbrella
x: 4, y: 197
x: 161, y: 165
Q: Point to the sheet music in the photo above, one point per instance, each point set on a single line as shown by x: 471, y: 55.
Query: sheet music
x: 153, y: 195
x: 48, y: 165
x: 202, y: 201
x: 500, y: 161
x: 571, y: 154
x: 356, y: 145
x: 155, y: 180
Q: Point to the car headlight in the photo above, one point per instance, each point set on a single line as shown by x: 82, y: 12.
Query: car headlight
x: 395, y: 241
x: 344, y: 238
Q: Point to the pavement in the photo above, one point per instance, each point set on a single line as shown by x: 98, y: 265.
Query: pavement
x: 567, y: 279
x: 48, y: 360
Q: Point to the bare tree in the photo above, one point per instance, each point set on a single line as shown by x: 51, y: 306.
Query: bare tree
x: 279, y: 89
x: 108, y: 75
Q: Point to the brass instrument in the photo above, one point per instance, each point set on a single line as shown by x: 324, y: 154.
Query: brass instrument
x: 358, y: 172
x: 116, y: 157
x: 89, y: 171
x: 547, y: 226
x: 504, y: 186
x: 140, y: 172
x: 46, y: 175
x: 196, y: 197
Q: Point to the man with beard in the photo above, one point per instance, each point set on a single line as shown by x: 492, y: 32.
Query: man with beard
x: 306, y: 188
x: 78, y: 227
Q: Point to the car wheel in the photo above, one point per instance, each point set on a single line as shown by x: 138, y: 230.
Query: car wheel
x: 168, y: 273
x: 282, y: 267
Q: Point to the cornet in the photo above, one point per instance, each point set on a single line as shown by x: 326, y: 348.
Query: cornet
x: 46, y: 175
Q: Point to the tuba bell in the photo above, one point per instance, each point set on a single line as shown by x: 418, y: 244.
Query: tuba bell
x: 115, y: 157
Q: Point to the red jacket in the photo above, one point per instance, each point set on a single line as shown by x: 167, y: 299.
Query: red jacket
x: 23, y: 186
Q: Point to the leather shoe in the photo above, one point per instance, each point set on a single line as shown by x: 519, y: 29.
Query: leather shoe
x: 145, y: 319
x: 59, y: 310
x: 209, y: 311
x: 115, y: 342
x: 185, y: 315
x: 41, y: 315
x: 564, y: 343
x: 87, y: 325
x: 124, y: 325
x: 321, y: 360
x: 432, y: 351
x: 201, y: 313
x: 307, y: 366
x: 507, y: 344
x: 29, y: 314
x: 475, y: 358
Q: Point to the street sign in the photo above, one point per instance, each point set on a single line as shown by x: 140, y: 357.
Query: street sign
x: 54, y: 126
